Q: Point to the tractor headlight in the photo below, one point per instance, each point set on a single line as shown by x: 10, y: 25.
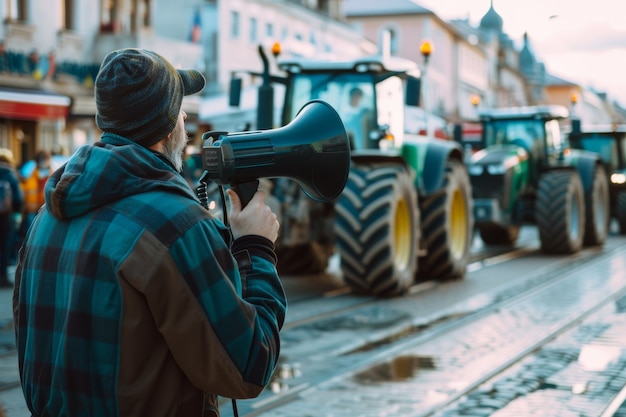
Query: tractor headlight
x: 475, y: 170
x: 496, y: 169
x: 618, y: 178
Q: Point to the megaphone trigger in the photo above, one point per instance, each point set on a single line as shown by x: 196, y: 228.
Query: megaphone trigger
x: 246, y: 191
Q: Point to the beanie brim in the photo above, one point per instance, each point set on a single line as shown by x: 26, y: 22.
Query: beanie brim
x: 193, y: 81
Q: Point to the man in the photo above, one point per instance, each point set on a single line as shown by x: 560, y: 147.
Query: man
x: 357, y: 119
x: 130, y: 299
x: 33, y: 177
x: 11, y: 201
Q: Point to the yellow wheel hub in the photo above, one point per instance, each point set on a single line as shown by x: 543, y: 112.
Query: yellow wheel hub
x: 402, y: 236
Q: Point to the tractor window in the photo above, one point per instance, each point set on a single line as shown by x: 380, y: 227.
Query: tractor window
x: 525, y: 133
x: 554, y: 141
x: 390, y: 105
x: 351, y: 95
x: 603, y: 145
x: 622, y: 150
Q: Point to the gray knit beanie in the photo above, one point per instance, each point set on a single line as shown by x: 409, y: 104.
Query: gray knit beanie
x: 139, y: 94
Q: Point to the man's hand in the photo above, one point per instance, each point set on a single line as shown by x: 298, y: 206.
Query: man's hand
x: 256, y: 218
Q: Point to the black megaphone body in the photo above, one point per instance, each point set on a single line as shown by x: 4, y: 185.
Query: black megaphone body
x: 313, y: 149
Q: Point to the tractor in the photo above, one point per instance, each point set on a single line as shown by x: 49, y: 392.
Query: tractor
x: 608, y: 141
x: 405, y: 214
x: 524, y: 172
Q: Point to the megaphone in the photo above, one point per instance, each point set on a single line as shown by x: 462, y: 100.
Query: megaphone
x: 313, y: 149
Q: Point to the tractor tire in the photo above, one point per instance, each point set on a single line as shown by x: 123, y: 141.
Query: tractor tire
x: 560, y: 212
x: 377, y: 230
x: 621, y: 212
x: 304, y: 258
x: 499, y: 235
x: 447, y: 227
x: 597, y: 210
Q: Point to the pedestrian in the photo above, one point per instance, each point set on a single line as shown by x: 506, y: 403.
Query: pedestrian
x: 130, y: 299
x: 11, y: 202
x: 33, y: 177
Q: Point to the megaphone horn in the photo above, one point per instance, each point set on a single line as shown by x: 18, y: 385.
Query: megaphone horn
x: 313, y: 149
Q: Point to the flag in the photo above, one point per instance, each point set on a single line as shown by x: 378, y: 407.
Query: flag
x: 196, y: 28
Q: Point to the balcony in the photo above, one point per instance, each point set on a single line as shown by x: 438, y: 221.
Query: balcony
x: 181, y: 54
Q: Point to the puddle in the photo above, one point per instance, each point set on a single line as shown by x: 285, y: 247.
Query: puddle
x: 410, y: 331
x: 283, y: 374
x: 400, y: 368
x: 598, y: 357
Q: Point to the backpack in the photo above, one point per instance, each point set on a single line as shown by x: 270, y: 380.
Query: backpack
x: 6, y: 197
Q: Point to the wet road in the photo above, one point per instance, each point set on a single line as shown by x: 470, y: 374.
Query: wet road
x: 359, y: 356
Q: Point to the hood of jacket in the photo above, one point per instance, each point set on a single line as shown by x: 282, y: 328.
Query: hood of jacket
x: 108, y: 171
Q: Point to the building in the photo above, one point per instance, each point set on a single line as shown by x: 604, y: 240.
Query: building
x: 310, y: 28
x: 472, y: 66
x: 50, y: 53
x: 456, y: 70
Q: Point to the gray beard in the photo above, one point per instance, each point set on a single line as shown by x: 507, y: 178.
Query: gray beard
x: 174, y: 148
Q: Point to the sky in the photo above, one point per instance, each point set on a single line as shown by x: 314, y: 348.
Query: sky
x: 582, y: 41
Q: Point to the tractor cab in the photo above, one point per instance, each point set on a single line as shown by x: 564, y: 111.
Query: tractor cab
x: 370, y: 95
x: 531, y: 133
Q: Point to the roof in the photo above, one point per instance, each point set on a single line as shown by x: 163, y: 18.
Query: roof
x: 374, y: 63
x: 525, y: 112
x: 602, y: 128
x: 553, y: 80
x: 352, y: 8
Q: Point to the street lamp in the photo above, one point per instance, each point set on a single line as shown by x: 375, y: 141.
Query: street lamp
x: 276, y: 49
x: 426, y: 49
x: 573, y: 100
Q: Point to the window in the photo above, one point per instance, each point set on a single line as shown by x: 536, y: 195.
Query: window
x: 554, y: 141
x: 323, y: 6
x: 269, y: 30
x: 68, y: 15
x: 146, y: 14
x: 253, y: 30
x: 15, y: 10
x: 107, y: 11
x: 234, y: 25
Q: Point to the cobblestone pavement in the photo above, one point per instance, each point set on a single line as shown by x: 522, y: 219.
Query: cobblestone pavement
x: 573, y: 375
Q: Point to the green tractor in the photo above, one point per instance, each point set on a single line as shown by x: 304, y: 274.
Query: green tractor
x: 405, y: 214
x: 524, y: 172
x: 608, y: 141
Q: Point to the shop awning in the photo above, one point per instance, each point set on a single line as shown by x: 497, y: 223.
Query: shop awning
x: 33, y: 104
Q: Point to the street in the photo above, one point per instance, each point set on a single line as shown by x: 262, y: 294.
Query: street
x: 522, y: 334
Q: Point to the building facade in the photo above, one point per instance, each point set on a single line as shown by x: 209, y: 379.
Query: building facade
x: 473, y: 66
x: 50, y: 53
x: 301, y: 28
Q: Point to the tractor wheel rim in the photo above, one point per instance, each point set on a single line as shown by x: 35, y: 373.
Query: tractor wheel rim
x: 458, y: 225
x: 402, y: 235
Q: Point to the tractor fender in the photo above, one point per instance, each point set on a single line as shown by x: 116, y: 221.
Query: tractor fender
x: 585, y: 163
x: 429, y: 160
x: 364, y: 157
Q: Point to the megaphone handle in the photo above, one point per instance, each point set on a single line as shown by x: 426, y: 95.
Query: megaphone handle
x: 246, y: 191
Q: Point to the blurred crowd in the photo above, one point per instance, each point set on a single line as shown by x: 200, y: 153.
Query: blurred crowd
x: 21, y: 196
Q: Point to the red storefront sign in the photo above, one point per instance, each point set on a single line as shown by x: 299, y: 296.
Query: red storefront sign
x: 33, y: 105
